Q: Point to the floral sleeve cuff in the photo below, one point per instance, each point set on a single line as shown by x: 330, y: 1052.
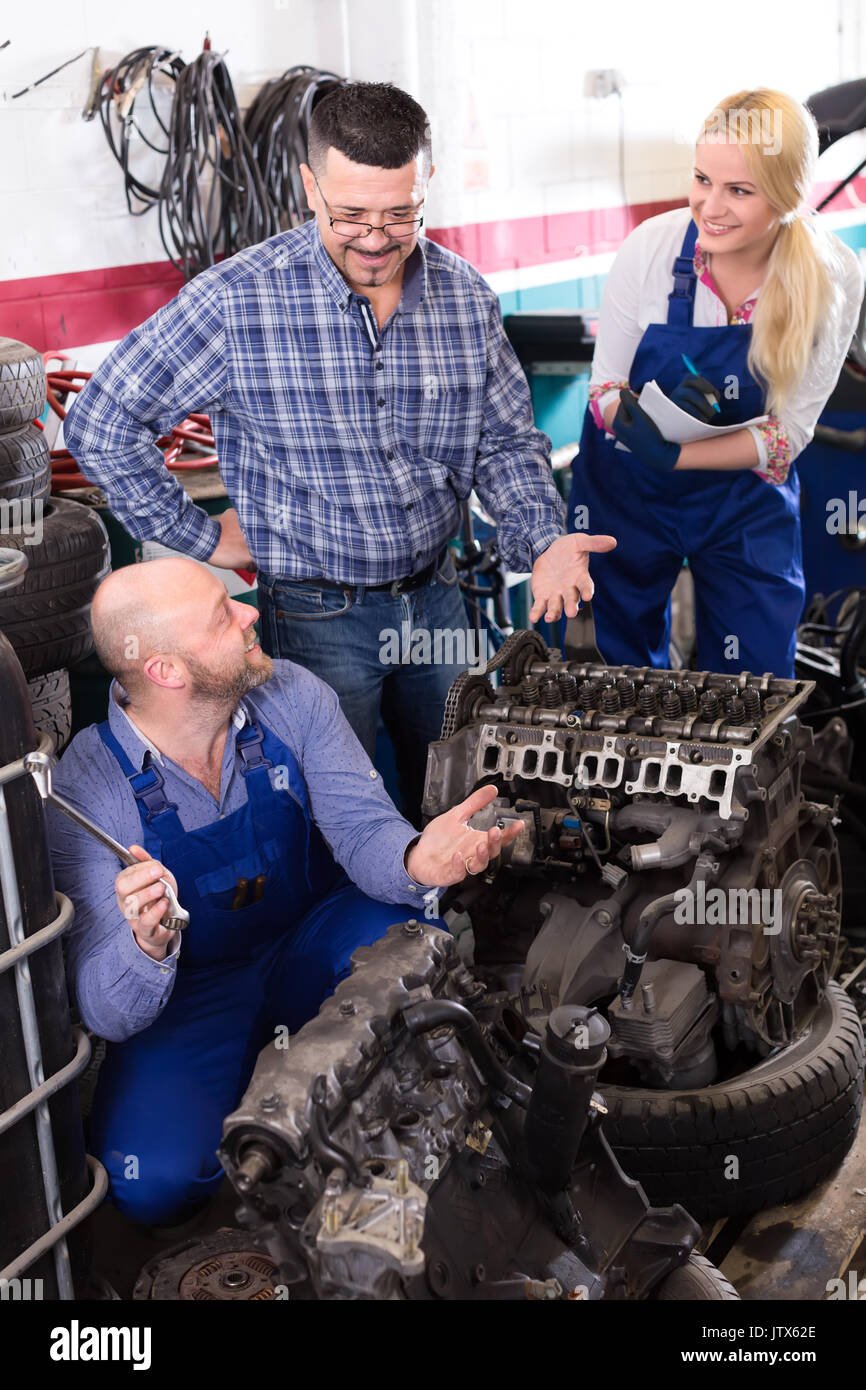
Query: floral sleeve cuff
x: 774, y: 450
x: 598, y: 403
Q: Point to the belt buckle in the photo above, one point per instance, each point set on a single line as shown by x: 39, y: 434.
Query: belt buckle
x: 397, y: 588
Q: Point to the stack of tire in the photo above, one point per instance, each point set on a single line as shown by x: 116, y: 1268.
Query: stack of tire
x: 47, y: 617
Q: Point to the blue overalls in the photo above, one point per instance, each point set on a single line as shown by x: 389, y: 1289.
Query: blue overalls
x: 740, y: 534
x: 245, y: 975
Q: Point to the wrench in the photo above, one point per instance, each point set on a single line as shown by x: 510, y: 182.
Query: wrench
x: 39, y: 767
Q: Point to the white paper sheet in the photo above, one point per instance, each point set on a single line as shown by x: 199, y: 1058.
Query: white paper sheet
x: 679, y: 426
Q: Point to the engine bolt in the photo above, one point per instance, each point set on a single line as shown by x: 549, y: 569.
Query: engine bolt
x: 268, y: 1103
x: 347, y: 1008
x: 402, y: 1178
x: 649, y: 997
x: 529, y: 690
x: 689, y: 696
x: 412, y: 927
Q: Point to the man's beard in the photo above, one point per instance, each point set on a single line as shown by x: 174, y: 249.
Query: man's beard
x: 228, y: 686
x: 371, y: 272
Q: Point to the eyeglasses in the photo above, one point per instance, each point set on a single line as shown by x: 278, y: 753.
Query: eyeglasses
x: 398, y: 231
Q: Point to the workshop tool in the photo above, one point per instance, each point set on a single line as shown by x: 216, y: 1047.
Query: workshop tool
x: 39, y: 766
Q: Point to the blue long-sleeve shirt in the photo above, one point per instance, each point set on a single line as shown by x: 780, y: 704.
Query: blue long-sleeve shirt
x: 118, y: 987
x: 345, y: 450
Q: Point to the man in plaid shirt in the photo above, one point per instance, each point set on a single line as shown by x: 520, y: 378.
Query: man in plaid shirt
x: 360, y: 385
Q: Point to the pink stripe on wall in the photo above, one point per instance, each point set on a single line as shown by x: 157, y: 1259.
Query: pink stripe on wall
x: 53, y: 312
x: 522, y: 241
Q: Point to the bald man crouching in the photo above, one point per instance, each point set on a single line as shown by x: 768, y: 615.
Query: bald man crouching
x: 239, y: 780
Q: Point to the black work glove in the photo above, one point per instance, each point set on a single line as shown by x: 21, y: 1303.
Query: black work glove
x: 691, y: 396
x: 634, y: 428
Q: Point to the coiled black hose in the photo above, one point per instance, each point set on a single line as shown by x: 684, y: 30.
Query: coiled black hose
x: 201, y: 223
x: 277, y: 126
x: 129, y: 109
x: 211, y: 195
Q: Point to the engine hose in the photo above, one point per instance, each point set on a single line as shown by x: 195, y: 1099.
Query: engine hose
x: 436, y: 1013
x: 329, y: 1154
x: 706, y: 871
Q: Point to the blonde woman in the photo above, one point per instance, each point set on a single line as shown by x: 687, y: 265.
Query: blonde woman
x: 748, y: 288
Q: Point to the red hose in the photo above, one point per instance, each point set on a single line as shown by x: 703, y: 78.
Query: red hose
x: 192, y: 436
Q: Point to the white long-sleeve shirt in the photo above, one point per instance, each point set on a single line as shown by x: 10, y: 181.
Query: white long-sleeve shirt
x: 636, y: 294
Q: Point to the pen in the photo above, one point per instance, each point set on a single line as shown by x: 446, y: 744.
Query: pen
x: 694, y: 371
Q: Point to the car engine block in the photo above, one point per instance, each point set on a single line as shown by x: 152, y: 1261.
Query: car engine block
x: 669, y: 869
x: 417, y: 1141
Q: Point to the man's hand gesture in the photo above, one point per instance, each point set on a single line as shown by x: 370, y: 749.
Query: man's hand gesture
x: 560, y: 575
x: 449, y: 849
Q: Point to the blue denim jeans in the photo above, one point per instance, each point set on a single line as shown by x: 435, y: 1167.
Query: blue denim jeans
x: 394, y: 656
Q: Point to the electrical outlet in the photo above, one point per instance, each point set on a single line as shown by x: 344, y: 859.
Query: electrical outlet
x: 603, y: 82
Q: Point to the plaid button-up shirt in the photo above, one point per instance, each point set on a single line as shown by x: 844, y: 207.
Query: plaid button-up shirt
x: 345, y: 450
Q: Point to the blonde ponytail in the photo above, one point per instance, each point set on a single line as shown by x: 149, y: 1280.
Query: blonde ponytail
x: 796, y: 296
x: 801, y: 286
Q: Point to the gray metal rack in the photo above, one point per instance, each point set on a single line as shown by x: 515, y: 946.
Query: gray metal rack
x: 13, y: 566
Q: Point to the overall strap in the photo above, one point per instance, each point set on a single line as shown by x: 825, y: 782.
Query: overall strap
x: 262, y: 750
x: 157, y: 813
x: 681, y: 300
x: 248, y: 745
x: 269, y: 766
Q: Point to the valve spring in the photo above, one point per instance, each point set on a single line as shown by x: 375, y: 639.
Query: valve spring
x: 625, y: 686
x: 671, y: 704
x: 711, y: 706
x: 610, y: 702
x: 550, y: 696
x: 729, y: 688
x: 567, y: 687
x: 647, y: 701
x: 587, y: 694
x: 689, y: 696
x: 529, y: 690
x: 735, y: 709
x: 752, y: 700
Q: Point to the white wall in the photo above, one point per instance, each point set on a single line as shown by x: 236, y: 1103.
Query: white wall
x: 501, y: 79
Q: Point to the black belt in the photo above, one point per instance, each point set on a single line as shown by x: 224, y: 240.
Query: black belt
x: 396, y: 586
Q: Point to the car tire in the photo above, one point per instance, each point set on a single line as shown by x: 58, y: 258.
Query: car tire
x: 50, y: 703
x: 25, y: 465
x: 696, y: 1280
x: 760, y: 1138
x: 22, y: 384
x: 47, y: 617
